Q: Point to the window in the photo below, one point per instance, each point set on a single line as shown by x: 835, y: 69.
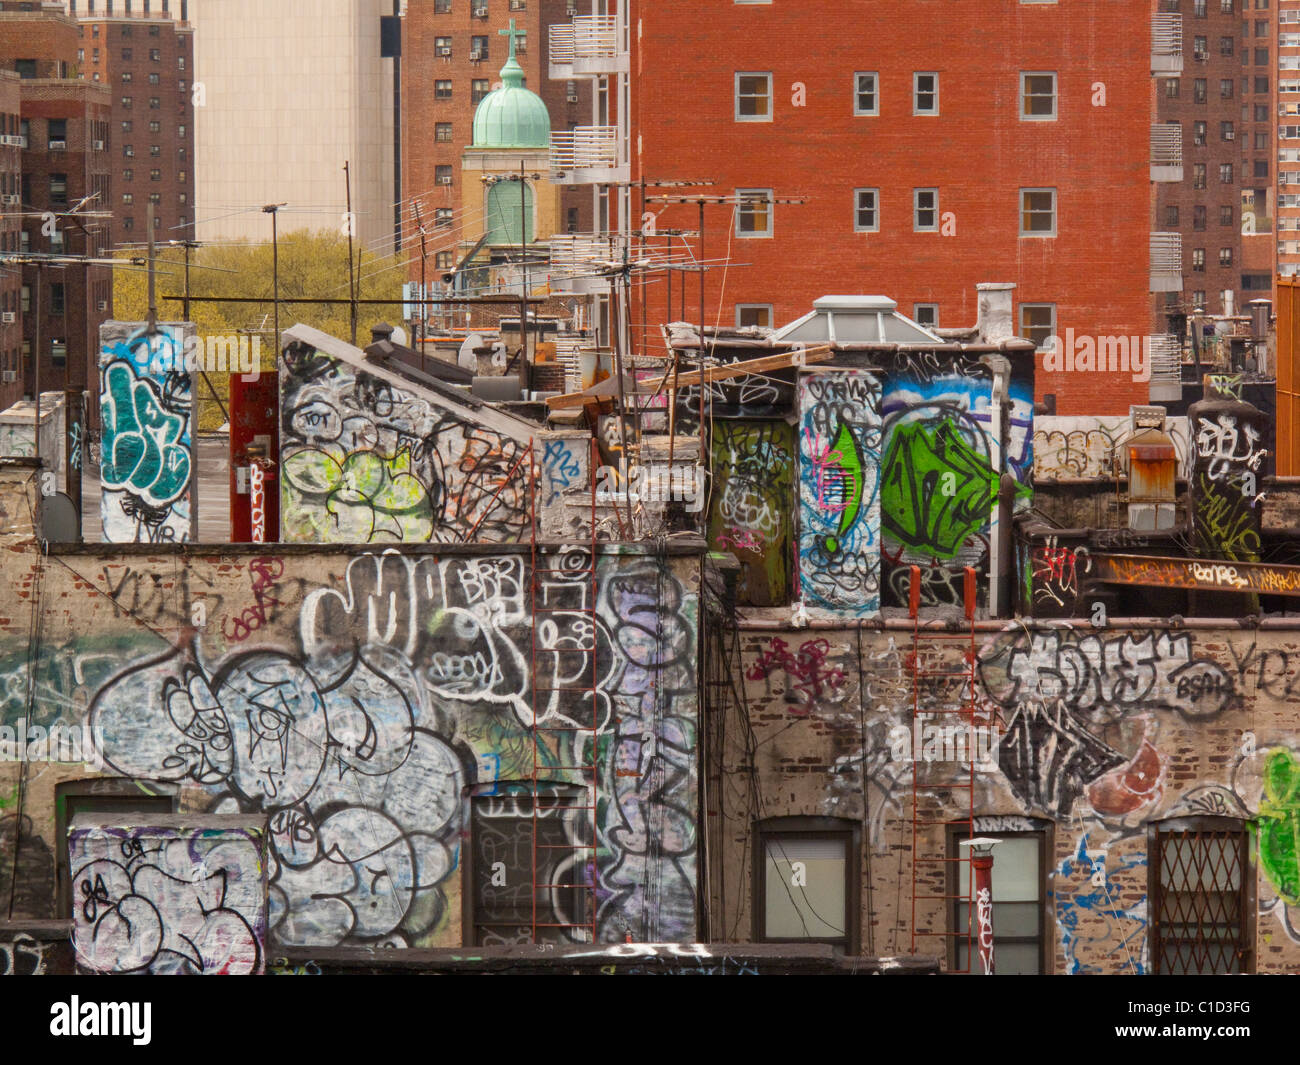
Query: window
x: 442, y: 175
x: 478, y: 48
x: 58, y: 352
x: 478, y: 89
x: 754, y: 213
x: 1225, y: 45
x: 1171, y: 216
x: 1199, y: 90
x: 806, y: 881
x: 865, y: 98
x: 58, y: 190
x: 1038, y: 212
x: 1172, y: 87
x: 442, y: 217
x: 1225, y: 173
x: 866, y: 217
x: 443, y: 260
x: 1198, y: 175
x: 925, y: 210
x: 1198, y: 216
x: 571, y: 220
x: 126, y: 126
x: 1038, y: 323
x: 1037, y: 97
x: 155, y: 103
x: 155, y: 54
x: 58, y: 128
x: 126, y: 102
x: 1198, y: 8
x: 925, y: 94
x: 1261, y: 168
x: 442, y: 7
x: 1226, y: 131
x: 753, y: 97
x: 128, y: 198
x: 1198, y: 260
x: 155, y: 79
x: 753, y: 316
x: 1198, y: 876
x: 128, y: 175
x: 1225, y: 88
x: 442, y: 46
x: 1226, y: 215
x: 442, y: 90
x: 1225, y: 256
x: 126, y: 55
x: 127, y: 77
x: 1199, y: 48
x: 442, y: 131
x: 506, y: 837
x: 926, y: 314
x: 1019, y: 940
x: 155, y: 175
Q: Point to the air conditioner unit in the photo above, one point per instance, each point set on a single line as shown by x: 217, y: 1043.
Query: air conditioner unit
x: 572, y: 97
x: 58, y: 146
x: 476, y: 56
x: 98, y: 146
x: 102, y: 305
x: 445, y: 50
x: 11, y: 201
x: 8, y: 317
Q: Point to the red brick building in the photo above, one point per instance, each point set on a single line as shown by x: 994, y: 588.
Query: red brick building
x: 452, y: 52
x: 64, y: 124
x: 11, y: 224
x: 1010, y: 143
x: 147, y: 62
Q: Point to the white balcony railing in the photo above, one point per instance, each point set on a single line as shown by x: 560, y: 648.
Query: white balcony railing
x: 586, y: 155
x: 1167, y: 152
x: 589, y: 45
x: 1166, y: 382
x: 1166, y: 262
x: 580, y: 262
x: 1166, y: 44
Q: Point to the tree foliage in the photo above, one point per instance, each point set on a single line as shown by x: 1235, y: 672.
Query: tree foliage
x: 312, y: 263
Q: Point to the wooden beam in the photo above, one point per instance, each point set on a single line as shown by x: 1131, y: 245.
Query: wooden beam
x: 783, y: 361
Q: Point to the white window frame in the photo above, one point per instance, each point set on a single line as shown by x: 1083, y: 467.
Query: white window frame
x: 916, y: 315
x: 1037, y: 232
x: 741, y: 234
x: 754, y: 307
x: 875, y: 92
x: 1020, y: 320
x: 916, y: 211
x: 916, y: 91
x: 766, y: 74
x: 858, y: 227
x: 1024, y: 96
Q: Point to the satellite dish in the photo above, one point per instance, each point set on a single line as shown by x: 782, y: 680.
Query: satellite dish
x: 467, y: 360
x: 399, y: 336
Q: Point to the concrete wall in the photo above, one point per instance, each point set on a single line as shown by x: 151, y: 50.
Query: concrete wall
x: 1101, y: 734
x: 357, y: 700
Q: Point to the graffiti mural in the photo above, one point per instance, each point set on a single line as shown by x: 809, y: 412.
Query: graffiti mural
x: 410, y: 682
x: 1278, y: 826
x: 147, y: 445
x: 169, y: 899
x: 938, y: 481
x: 839, y: 492
x: 1225, y: 492
x: 753, y: 464
x: 366, y: 461
x: 1087, y: 448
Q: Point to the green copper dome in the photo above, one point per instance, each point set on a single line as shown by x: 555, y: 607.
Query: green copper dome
x: 512, y: 116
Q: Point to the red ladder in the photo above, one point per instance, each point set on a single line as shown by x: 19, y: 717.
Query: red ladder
x: 936, y: 666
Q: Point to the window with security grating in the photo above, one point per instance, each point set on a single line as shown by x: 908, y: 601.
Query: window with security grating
x: 1199, y: 905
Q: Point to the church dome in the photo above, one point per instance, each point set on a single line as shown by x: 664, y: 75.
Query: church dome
x: 512, y: 116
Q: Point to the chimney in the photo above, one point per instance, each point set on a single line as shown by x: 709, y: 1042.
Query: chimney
x: 995, y: 322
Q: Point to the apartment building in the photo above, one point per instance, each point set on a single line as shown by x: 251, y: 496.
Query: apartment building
x: 1212, y: 156
x: 147, y: 62
x: 1013, y: 140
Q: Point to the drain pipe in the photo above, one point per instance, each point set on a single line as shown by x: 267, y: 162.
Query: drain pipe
x: 999, y: 367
